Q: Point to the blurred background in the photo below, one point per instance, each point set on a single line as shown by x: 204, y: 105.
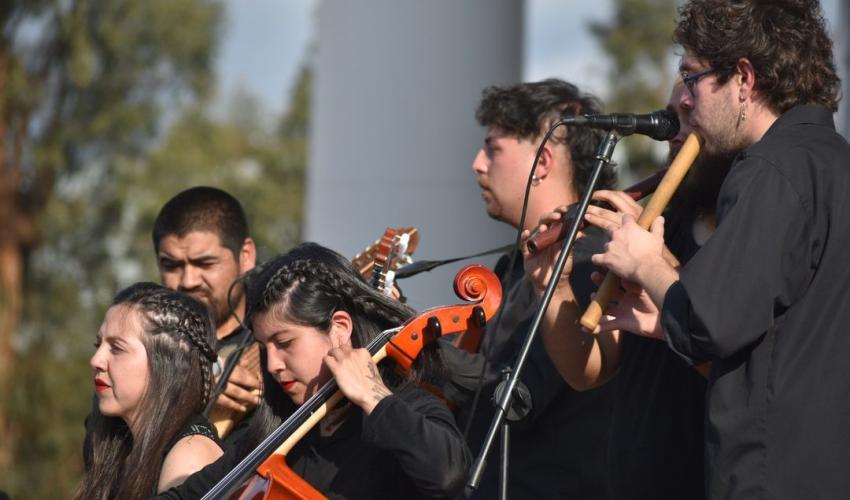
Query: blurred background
x: 329, y: 119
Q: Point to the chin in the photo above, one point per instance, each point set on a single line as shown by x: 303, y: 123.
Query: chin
x: 108, y: 410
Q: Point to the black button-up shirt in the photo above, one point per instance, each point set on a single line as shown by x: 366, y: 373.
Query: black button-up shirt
x: 767, y: 299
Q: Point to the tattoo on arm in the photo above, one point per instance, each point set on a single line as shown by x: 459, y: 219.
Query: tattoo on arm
x: 379, y: 390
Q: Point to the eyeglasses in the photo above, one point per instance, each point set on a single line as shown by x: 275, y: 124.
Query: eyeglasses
x: 691, y: 81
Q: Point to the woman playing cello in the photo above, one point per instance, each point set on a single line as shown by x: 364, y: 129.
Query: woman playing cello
x: 313, y: 314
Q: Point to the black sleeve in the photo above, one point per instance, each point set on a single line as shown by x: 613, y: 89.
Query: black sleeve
x: 419, y: 430
x: 752, y: 268
x: 540, y: 378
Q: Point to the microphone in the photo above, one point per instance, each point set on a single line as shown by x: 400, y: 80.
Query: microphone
x: 661, y: 125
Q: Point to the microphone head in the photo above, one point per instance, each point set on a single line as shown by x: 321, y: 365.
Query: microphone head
x: 665, y: 125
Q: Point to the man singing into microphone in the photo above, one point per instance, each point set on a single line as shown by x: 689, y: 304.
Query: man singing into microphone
x: 766, y: 299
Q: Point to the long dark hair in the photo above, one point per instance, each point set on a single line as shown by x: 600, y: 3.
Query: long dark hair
x: 177, y: 336
x: 306, y: 286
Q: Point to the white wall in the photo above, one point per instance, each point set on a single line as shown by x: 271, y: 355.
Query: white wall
x: 393, y: 131
x: 842, y: 29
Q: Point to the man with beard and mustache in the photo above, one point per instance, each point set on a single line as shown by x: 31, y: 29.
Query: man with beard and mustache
x: 766, y: 299
x: 655, y: 445
x: 202, y: 245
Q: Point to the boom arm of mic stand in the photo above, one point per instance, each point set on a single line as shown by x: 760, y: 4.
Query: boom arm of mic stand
x: 603, y: 157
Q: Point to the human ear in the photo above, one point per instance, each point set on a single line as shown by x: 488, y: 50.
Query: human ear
x: 746, y: 76
x: 544, y: 165
x: 247, y: 256
x: 341, y: 328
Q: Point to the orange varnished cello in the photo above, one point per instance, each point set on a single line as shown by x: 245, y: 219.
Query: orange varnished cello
x: 270, y: 476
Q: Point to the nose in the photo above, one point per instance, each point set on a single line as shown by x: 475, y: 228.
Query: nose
x: 686, y: 101
x: 274, y: 359
x: 479, y: 164
x: 98, y: 359
x: 190, y: 278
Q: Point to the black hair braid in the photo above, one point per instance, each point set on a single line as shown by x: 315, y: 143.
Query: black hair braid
x: 298, y: 273
x: 174, y: 314
x: 352, y: 295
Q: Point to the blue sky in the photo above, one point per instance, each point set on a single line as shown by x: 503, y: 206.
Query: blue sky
x: 266, y: 41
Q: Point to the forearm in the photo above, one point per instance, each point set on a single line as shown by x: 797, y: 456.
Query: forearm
x: 583, y: 359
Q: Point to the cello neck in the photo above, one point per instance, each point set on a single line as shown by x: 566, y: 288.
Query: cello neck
x: 280, y: 436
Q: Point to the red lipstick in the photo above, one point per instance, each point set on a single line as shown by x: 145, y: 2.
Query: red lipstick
x: 287, y: 384
x: 100, y: 385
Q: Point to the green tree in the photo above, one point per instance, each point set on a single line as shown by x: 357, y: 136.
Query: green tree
x: 84, y: 86
x: 262, y: 164
x: 639, y: 41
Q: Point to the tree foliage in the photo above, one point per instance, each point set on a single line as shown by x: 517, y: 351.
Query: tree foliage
x: 83, y: 84
x: 639, y: 41
x: 103, y: 117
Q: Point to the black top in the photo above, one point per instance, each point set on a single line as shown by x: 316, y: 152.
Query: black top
x: 558, y: 450
x: 656, y: 443
x: 197, y: 425
x: 408, y: 447
x: 767, y: 299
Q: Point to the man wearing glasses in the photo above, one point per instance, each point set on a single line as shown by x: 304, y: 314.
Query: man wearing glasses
x: 659, y: 398
x: 766, y: 299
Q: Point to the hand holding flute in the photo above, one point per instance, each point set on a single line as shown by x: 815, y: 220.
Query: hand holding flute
x: 632, y: 250
x: 622, y: 202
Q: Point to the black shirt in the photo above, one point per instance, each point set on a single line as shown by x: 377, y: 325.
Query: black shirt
x: 197, y: 425
x: 767, y: 300
x: 656, y: 443
x: 408, y: 447
x: 559, y: 449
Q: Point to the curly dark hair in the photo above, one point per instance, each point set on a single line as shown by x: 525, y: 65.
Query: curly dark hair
x: 528, y: 110
x: 785, y: 40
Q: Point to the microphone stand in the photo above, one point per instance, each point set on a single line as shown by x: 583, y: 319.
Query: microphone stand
x: 603, y: 157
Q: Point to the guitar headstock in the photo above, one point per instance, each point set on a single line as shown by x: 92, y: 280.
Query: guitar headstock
x: 380, y: 260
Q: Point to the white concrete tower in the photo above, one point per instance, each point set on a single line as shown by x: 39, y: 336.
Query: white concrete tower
x: 843, y: 55
x: 396, y: 84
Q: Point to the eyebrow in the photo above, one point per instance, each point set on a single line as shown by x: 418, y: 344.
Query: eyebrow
x: 111, y: 340
x: 281, y: 333
x: 200, y: 259
x: 685, y: 67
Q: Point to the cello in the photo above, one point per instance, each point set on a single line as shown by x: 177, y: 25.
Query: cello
x: 272, y: 478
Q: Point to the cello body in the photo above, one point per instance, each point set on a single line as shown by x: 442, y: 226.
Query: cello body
x: 276, y: 481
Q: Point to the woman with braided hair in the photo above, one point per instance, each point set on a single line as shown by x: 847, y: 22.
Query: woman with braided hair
x: 313, y: 315
x: 153, y: 377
